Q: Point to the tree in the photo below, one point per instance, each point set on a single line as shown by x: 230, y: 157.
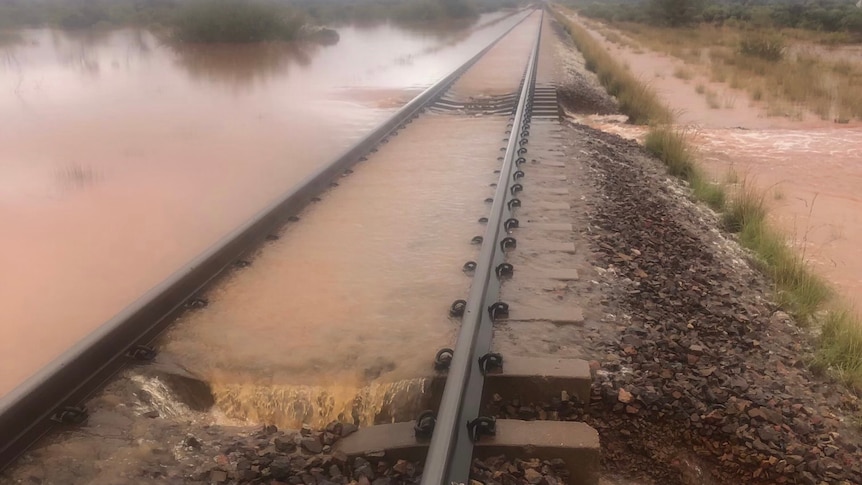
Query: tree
x: 675, y: 13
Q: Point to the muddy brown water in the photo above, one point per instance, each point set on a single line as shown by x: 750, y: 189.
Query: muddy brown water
x: 807, y: 168
x: 353, y: 300
x: 121, y: 157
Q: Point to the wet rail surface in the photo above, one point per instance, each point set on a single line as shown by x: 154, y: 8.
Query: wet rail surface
x: 461, y: 423
x: 301, y: 333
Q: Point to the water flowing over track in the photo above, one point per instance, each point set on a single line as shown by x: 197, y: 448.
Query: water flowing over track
x: 455, y: 427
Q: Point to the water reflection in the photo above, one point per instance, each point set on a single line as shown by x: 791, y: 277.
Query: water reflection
x: 240, y: 66
x: 79, y: 50
x: 76, y: 176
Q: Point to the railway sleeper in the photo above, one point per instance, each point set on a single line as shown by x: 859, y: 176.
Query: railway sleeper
x: 576, y: 443
x: 523, y: 379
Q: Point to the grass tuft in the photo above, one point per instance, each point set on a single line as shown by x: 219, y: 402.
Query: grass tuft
x: 671, y: 147
x: 840, y: 349
x: 747, y: 208
x: 769, y: 47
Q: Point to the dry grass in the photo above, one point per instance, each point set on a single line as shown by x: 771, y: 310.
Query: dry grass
x: 683, y: 73
x: 774, y: 66
x: 797, y: 288
x: 635, y: 98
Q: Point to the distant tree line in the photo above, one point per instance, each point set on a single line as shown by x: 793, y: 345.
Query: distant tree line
x: 80, y: 14
x: 820, y: 15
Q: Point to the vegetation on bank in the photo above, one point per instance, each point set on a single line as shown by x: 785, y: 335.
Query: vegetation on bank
x: 762, y: 47
x: 404, y: 11
x: 816, y: 15
x: 234, y: 20
x: 743, y: 212
x: 774, y: 67
x: 635, y: 98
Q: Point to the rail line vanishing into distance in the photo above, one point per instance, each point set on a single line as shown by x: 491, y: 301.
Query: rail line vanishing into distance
x: 456, y: 429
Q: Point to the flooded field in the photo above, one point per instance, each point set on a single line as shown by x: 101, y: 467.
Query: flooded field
x: 808, y: 168
x: 122, y: 157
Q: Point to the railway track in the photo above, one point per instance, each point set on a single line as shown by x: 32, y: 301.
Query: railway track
x: 457, y: 427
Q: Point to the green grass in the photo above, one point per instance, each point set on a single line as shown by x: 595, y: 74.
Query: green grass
x: 746, y: 208
x: 798, y: 290
x: 807, y: 296
x: 841, y: 347
x: 672, y: 147
x: 636, y: 99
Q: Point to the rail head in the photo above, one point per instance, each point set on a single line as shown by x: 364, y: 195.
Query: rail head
x: 450, y: 451
x: 57, y: 391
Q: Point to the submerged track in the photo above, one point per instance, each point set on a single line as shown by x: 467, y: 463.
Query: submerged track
x: 57, y: 394
x: 458, y: 422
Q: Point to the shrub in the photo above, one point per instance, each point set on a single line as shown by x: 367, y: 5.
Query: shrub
x: 234, y: 21
x: 769, y: 47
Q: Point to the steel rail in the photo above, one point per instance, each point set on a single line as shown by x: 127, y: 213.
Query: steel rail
x: 32, y: 409
x: 451, y: 448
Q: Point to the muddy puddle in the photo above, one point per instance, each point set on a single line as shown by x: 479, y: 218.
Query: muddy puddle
x: 807, y: 168
x: 122, y: 157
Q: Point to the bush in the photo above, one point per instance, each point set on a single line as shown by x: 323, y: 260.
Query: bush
x: 82, y: 18
x: 433, y: 10
x: 769, y: 47
x: 234, y: 21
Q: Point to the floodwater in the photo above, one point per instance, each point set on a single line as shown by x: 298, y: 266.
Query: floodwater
x: 807, y: 168
x: 348, y: 308
x: 122, y: 157
x: 338, y: 317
